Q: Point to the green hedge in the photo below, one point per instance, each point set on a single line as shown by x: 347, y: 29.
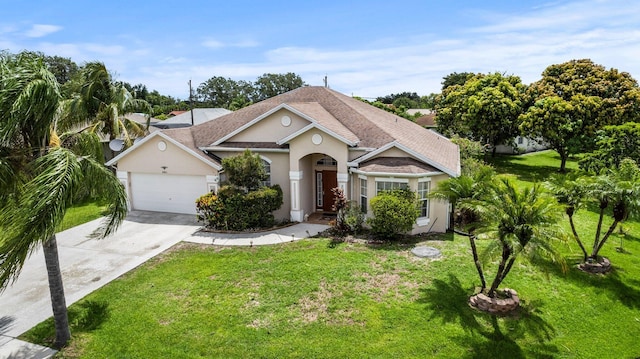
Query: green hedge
x: 394, y: 213
x: 234, y: 209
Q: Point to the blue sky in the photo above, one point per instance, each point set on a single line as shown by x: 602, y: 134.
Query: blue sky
x: 366, y: 48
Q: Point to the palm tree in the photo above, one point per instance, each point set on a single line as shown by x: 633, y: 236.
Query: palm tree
x: 619, y: 188
x: 101, y: 105
x: 39, y: 179
x: 519, y: 222
x: 571, y: 192
x: 460, y: 190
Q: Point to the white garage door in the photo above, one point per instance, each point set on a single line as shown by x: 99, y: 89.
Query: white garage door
x: 166, y: 193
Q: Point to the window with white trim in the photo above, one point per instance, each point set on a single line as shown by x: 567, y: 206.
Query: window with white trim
x: 267, y: 169
x: 423, y: 197
x: 388, y: 185
x: 363, y: 195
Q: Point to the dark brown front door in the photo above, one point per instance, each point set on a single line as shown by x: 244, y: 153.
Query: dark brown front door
x: 328, y: 180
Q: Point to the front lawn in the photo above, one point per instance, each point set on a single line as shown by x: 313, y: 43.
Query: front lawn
x: 82, y: 213
x: 320, y: 299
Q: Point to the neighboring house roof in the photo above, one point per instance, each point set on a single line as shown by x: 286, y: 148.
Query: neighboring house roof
x: 176, y: 113
x: 200, y: 115
x: 427, y: 120
x: 423, y: 111
x: 140, y: 118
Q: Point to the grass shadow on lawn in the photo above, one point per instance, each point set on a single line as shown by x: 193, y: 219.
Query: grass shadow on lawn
x: 84, y: 317
x: 611, y: 282
x: 488, y: 336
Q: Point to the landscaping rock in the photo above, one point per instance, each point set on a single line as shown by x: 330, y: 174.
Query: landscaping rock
x: 596, y: 267
x: 496, y: 305
x: 426, y: 252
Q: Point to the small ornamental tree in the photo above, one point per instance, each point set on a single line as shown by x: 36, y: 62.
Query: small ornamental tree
x: 394, y: 213
x: 245, y: 171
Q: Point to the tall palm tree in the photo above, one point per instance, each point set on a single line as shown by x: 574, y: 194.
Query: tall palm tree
x: 571, y: 191
x: 458, y: 191
x: 519, y: 222
x: 101, y: 105
x: 39, y: 178
x: 620, y: 189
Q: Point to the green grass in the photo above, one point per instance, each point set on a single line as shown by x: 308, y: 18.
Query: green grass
x: 82, y: 213
x: 319, y: 299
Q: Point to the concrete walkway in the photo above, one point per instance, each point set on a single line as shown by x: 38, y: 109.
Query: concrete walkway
x: 88, y: 264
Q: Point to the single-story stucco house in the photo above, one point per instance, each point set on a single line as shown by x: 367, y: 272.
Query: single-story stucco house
x: 311, y: 139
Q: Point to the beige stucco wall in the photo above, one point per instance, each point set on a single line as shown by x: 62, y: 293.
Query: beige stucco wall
x: 149, y: 159
x: 270, y: 128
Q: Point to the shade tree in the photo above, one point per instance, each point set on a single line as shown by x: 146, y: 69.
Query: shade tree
x: 575, y: 99
x: 485, y: 108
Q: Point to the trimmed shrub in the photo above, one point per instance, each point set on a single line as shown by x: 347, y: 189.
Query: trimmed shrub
x: 234, y: 209
x: 394, y: 213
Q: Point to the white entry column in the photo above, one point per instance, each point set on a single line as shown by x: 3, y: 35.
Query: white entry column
x: 343, y: 178
x: 297, y: 214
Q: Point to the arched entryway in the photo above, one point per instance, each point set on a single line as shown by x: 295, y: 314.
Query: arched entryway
x: 311, y: 186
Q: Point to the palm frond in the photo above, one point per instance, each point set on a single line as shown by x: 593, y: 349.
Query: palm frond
x: 41, y: 207
x: 111, y: 189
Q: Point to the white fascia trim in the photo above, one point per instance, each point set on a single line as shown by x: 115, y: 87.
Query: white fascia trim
x: 391, y: 174
x: 320, y: 128
x: 391, y: 179
x: 166, y: 137
x: 238, y: 149
x: 411, y: 152
x: 260, y: 118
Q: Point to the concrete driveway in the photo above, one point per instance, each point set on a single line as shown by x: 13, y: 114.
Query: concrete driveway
x: 86, y: 265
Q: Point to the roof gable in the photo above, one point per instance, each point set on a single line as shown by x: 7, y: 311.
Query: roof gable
x: 180, y: 144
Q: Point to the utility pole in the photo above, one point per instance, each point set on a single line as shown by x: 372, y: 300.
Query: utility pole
x: 191, y: 101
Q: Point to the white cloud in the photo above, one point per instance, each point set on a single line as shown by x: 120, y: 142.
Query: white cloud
x: 40, y: 30
x: 213, y: 44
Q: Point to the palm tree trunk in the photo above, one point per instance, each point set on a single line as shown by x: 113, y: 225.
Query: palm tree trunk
x: 476, y: 259
x: 598, y: 230
x: 56, y: 289
x: 575, y: 235
x: 594, y: 254
x: 507, y: 269
x: 499, y: 274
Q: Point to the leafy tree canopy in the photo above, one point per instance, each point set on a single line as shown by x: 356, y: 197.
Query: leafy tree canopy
x: 614, y: 143
x: 575, y: 99
x: 486, y: 108
x: 245, y: 171
x: 270, y: 85
x: 456, y: 79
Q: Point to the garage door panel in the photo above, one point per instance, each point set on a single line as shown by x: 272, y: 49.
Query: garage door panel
x: 166, y: 193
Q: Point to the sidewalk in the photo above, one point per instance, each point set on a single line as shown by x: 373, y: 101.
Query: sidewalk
x: 88, y: 264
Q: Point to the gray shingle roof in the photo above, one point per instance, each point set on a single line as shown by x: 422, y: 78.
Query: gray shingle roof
x: 344, y: 115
